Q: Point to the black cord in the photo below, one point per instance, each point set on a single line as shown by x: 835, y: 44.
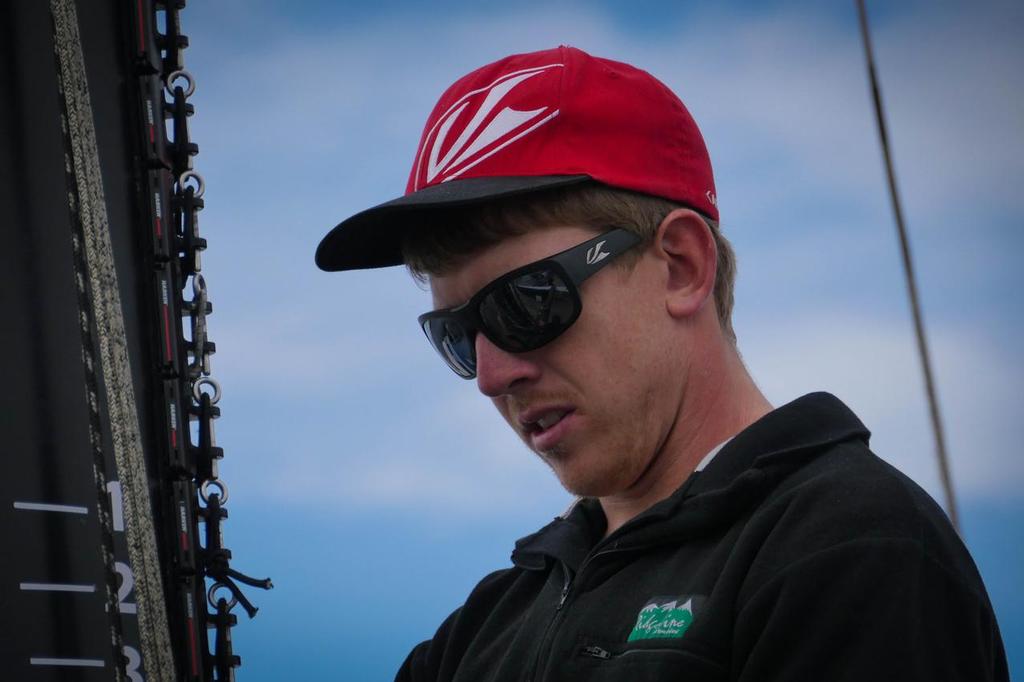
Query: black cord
x: 908, y: 269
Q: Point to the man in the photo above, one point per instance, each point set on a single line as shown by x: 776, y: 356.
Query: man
x: 562, y: 209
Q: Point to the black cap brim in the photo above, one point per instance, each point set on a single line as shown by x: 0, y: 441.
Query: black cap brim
x: 373, y: 238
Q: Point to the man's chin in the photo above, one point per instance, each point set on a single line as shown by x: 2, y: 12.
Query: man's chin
x: 577, y: 477
x: 586, y: 484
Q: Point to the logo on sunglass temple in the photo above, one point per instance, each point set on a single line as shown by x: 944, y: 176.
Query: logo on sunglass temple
x: 482, y: 123
x: 595, y: 254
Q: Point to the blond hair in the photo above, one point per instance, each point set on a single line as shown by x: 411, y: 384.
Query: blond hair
x: 449, y: 238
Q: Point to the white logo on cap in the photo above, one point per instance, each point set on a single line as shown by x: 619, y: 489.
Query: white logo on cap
x: 481, y: 138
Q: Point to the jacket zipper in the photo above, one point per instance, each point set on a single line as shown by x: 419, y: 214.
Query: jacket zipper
x: 567, y: 581
x: 566, y: 589
x: 594, y: 651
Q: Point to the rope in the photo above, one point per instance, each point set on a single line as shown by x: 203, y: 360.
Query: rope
x: 103, y: 508
x: 89, y: 214
x: 908, y: 269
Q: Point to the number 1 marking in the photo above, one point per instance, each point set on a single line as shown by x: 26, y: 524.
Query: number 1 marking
x: 116, y: 504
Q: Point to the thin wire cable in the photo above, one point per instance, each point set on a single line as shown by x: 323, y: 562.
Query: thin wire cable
x: 908, y: 269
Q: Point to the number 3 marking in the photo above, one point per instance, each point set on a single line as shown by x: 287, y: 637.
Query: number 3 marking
x: 134, y: 661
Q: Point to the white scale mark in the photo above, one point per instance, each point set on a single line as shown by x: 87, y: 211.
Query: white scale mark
x: 56, y: 587
x: 75, y: 662
x: 62, y: 508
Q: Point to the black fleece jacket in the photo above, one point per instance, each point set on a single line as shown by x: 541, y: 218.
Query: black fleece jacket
x: 797, y: 554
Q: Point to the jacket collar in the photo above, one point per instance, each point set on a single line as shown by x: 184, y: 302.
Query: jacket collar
x: 807, y: 425
x: 568, y: 538
x: 745, y: 469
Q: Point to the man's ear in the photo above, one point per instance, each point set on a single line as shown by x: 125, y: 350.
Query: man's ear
x: 685, y: 243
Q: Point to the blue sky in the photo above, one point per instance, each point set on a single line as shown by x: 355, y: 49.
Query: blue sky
x: 376, y: 488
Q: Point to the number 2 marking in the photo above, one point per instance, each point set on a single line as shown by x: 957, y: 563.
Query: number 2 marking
x: 124, y: 571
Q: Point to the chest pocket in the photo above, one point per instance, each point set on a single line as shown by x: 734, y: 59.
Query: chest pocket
x: 653, y: 660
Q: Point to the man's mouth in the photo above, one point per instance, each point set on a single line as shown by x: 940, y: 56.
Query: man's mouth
x: 539, y: 421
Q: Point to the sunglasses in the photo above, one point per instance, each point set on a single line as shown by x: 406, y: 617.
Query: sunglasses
x: 523, y: 309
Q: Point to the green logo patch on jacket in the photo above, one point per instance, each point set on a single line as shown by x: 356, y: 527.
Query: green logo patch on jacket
x: 663, y: 618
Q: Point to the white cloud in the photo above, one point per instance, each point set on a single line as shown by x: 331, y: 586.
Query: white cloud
x: 874, y: 367
x: 447, y: 454
x: 308, y: 128
x: 303, y: 346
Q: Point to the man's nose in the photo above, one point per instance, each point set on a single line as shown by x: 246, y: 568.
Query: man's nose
x: 498, y: 371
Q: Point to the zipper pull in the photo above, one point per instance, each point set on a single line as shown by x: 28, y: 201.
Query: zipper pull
x: 566, y: 583
x: 595, y: 652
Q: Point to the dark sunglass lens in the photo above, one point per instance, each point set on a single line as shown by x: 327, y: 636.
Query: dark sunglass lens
x: 527, y: 311
x: 450, y: 339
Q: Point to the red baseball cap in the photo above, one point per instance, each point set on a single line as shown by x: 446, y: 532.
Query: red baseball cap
x: 531, y: 122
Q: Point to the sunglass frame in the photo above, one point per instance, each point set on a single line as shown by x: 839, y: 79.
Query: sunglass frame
x: 574, y: 265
